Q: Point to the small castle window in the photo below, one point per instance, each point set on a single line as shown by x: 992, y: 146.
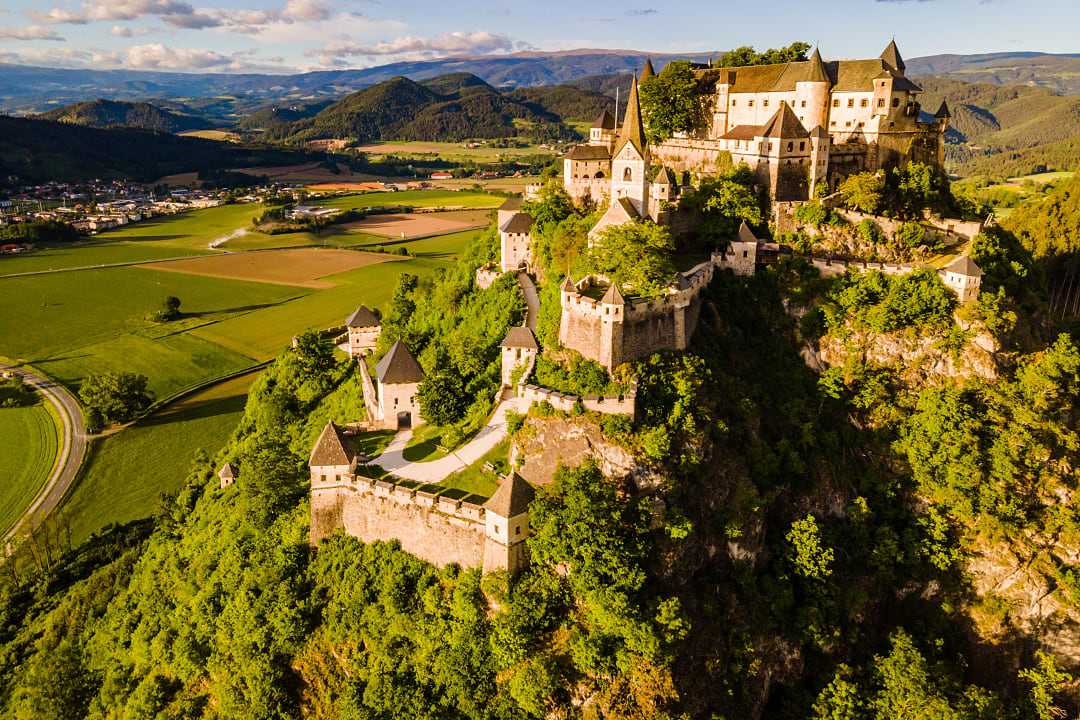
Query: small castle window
x: 881, y: 102
x: 851, y: 102
x: 832, y: 123
x: 836, y: 103
x: 790, y: 146
x: 750, y: 103
x: 733, y: 103
x: 627, y: 175
x: 896, y: 102
x: 802, y: 145
x: 864, y: 102
x: 803, y: 104
x: 517, y: 530
x: 765, y: 103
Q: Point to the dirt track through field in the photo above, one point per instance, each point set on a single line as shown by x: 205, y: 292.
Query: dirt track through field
x: 302, y: 267
x: 408, y: 226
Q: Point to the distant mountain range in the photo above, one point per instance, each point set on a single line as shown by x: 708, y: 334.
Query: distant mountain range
x: 1059, y: 73
x: 27, y: 89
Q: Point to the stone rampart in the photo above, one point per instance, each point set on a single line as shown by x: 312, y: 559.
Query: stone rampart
x: 830, y: 267
x: 486, y: 277
x: 605, y: 404
x: 439, y: 529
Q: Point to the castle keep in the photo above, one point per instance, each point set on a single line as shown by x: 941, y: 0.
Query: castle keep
x: 794, y: 124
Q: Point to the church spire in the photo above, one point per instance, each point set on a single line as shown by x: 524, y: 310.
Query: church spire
x: 817, y: 69
x: 633, y: 130
x: 647, y: 71
x: 891, y: 56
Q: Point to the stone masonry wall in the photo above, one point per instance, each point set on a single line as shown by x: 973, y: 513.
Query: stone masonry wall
x: 581, y: 332
x: 430, y: 535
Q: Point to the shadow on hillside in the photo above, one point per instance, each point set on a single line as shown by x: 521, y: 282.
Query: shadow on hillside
x: 184, y: 411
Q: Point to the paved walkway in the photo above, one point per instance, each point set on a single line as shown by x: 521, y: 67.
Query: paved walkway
x: 392, y: 460
x: 532, y: 300
x: 70, y: 454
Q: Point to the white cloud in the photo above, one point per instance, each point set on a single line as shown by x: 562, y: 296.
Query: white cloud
x: 31, y: 32
x: 412, y: 47
x: 181, y: 14
x: 128, y: 31
x: 152, y: 56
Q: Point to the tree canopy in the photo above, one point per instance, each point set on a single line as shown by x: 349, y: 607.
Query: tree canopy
x: 634, y: 255
x: 674, y: 101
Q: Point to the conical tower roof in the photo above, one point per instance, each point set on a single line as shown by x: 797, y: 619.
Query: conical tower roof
x: 512, y: 498
x: 398, y: 366
x: 943, y: 111
x: 817, y: 69
x: 633, y: 129
x: 605, y: 121
x: 330, y: 450
x: 746, y: 234
x: 647, y: 71
x: 891, y: 55
x: 613, y: 296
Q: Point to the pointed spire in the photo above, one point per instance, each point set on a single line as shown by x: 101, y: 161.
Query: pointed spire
x: 633, y: 131
x: 746, y: 234
x: 817, y: 69
x: 330, y: 450
x: 567, y: 284
x: 647, y: 71
x: 613, y: 296
x: 512, y: 498
x: 943, y: 111
x: 891, y: 56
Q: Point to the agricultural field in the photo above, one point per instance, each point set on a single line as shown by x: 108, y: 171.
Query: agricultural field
x: 302, y: 267
x: 128, y: 471
x: 416, y: 198
x: 409, y: 225
x: 30, y: 440
x: 452, y: 151
x: 219, y: 135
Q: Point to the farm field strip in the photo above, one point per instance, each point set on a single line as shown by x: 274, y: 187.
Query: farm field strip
x: 31, y: 440
x: 415, y: 198
x: 303, y: 267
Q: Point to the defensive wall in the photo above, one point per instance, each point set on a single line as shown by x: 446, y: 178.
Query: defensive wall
x: 429, y: 523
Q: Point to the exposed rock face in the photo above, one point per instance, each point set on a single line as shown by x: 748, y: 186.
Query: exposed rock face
x: 919, y: 358
x: 546, y: 443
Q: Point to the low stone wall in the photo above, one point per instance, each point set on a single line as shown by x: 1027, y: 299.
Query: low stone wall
x: 371, y: 399
x: 830, y: 267
x: 695, y: 155
x: 607, y: 405
x: 441, y: 530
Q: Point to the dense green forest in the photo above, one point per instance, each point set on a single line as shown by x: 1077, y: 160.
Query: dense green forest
x: 140, y: 116
x: 793, y: 543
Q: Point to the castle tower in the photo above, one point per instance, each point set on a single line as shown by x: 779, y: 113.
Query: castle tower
x: 364, y: 328
x: 630, y: 158
x: 891, y: 56
x: 226, y: 475
x: 612, y: 309
x: 814, y: 92
x: 506, y: 521
x: 964, y: 278
x: 819, y: 157
x: 943, y: 116
x: 519, y: 347
x: 602, y: 132
x: 647, y: 71
x: 515, y: 242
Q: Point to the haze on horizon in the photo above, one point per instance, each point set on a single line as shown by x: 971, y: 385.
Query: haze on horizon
x: 292, y: 35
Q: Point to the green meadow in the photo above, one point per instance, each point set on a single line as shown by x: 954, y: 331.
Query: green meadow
x: 416, y: 198
x: 31, y: 437
x: 127, y: 472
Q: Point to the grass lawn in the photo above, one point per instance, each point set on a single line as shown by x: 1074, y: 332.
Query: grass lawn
x: 31, y: 436
x: 1044, y: 177
x: 475, y: 479
x: 449, y: 150
x: 72, y: 324
x: 128, y: 471
x: 422, y: 444
x: 438, y: 247
x: 416, y: 198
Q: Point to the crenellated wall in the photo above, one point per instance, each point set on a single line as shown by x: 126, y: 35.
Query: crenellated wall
x: 605, y: 404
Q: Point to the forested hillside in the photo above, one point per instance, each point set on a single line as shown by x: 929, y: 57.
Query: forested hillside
x: 140, y: 116
x: 851, y: 498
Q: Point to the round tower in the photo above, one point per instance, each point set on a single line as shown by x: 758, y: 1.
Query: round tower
x: 812, y: 94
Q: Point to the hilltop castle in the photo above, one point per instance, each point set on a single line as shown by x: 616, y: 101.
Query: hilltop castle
x: 794, y: 124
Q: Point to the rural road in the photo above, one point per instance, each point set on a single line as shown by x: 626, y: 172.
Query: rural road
x: 532, y: 299
x: 70, y: 453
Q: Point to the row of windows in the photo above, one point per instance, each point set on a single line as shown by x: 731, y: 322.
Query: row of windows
x: 863, y: 102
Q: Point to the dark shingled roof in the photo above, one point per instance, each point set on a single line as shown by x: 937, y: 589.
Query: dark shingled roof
x: 628, y: 208
x: 665, y: 176
x: 604, y: 120
x: 362, y: 318
x: 520, y: 337
x: 964, y: 265
x: 227, y: 472
x: 784, y: 124
x: 568, y: 285
x: 519, y: 224
x: 512, y: 498
x: 891, y: 55
x: 331, y: 448
x: 746, y: 234
x: 943, y: 111
x: 511, y: 203
x: 613, y: 296
x: 633, y: 129
x: 589, y: 152
x: 816, y: 71
x: 742, y: 132
x: 398, y: 366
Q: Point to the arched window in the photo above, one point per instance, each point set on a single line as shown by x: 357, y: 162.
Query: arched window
x: 599, y: 173
x: 627, y: 175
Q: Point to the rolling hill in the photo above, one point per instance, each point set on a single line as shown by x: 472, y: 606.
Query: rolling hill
x: 451, y: 107
x: 1059, y: 73
x: 140, y: 115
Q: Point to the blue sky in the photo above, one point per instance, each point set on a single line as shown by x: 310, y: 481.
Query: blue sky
x: 287, y: 35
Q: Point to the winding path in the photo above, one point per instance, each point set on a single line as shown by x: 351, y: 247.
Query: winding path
x: 393, y: 459
x: 69, y: 457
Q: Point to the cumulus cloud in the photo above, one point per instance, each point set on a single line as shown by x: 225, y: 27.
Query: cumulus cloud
x: 152, y: 56
x: 127, y: 31
x: 32, y: 32
x: 409, y: 46
x: 181, y: 14
x: 642, y: 12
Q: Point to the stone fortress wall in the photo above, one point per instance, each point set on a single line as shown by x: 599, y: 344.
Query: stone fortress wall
x: 439, y: 529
